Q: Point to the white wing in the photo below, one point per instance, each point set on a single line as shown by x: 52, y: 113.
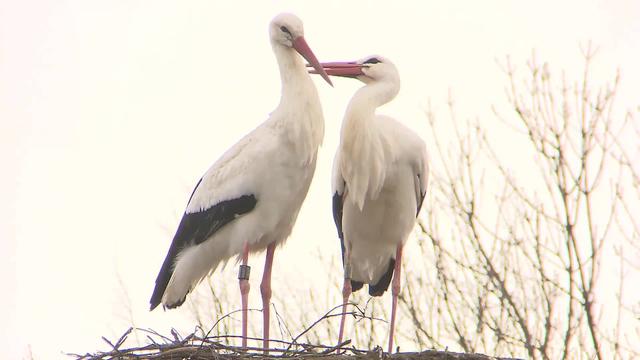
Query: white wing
x: 236, y: 172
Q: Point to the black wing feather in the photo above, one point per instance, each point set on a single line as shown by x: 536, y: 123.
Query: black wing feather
x: 382, y: 285
x: 337, y: 218
x: 421, y: 199
x: 194, y: 229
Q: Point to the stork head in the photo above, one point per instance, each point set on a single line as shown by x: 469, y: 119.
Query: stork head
x: 286, y: 30
x: 373, y: 68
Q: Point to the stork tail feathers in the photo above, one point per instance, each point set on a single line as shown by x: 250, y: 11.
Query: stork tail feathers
x: 163, y: 278
x: 382, y: 285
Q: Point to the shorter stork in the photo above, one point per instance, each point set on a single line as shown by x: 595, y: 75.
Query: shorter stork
x: 379, y: 182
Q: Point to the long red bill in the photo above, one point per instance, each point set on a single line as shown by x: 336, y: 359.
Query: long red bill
x: 303, y: 49
x: 341, y: 68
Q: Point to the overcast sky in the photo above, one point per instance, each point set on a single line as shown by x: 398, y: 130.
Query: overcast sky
x: 110, y: 111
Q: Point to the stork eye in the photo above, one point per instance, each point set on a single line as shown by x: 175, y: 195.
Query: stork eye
x: 372, y: 61
x: 284, y: 29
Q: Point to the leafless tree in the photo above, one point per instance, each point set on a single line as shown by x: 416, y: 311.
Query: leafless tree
x: 531, y: 226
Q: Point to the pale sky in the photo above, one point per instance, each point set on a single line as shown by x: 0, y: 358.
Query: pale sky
x: 110, y: 111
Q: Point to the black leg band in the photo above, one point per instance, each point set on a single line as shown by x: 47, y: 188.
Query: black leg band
x: 244, y: 272
x: 347, y: 271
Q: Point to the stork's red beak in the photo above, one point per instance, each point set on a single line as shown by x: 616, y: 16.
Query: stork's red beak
x: 303, y: 49
x: 341, y: 68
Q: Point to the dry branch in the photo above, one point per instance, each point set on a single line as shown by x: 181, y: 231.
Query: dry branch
x: 195, y: 347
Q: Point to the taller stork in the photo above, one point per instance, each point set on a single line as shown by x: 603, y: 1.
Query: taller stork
x: 379, y: 181
x: 249, y: 199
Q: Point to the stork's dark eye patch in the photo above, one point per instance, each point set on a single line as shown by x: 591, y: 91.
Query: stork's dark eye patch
x: 284, y: 29
x: 372, y: 61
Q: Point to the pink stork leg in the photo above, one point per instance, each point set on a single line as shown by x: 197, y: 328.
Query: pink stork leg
x: 395, y: 290
x: 243, y: 277
x: 346, y: 291
x: 265, y: 289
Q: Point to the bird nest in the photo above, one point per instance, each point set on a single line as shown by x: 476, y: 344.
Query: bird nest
x: 206, y: 347
x: 195, y: 347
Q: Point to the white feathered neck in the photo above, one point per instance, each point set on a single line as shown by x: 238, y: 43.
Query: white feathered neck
x: 299, y: 113
x: 365, y: 151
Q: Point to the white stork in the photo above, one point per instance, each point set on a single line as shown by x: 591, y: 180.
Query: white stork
x: 379, y: 182
x: 248, y: 201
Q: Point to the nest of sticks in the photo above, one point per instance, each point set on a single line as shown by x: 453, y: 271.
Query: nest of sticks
x: 215, y: 347
x: 196, y: 347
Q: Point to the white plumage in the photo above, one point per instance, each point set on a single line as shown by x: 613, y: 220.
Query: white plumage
x: 277, y: 169
x: 379, y: 181
x: 249, y: 199
x: 383, y: 189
